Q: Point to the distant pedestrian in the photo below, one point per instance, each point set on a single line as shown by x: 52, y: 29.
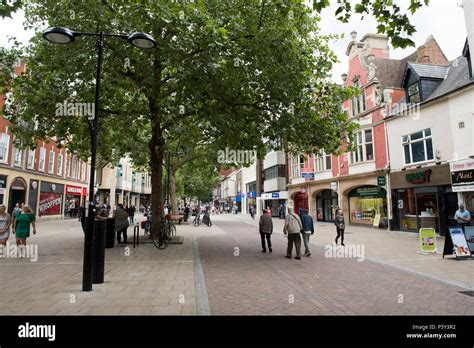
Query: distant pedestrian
x: 462, y: 216
x: 21, y: 229
x: 16, y: 211
x: 281, y: 211
x: 293, y: 229
x: 308, y: 230
x: 340, y: 225
x: 131, y: 215
x: 252, y: 212
x: 300, y: 211
x: 265, y: 226
x: 5, y: 223
x: 121, y: 224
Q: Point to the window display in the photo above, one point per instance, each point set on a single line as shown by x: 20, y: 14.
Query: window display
x: 365, y: 203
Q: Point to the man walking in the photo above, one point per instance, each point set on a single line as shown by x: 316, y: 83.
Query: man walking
x: 293, y: 229
x: 266, y: 230
x: 308, y: 230
x: 462, y: 216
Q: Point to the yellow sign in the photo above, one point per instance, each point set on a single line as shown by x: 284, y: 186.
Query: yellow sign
x: 377, y: 220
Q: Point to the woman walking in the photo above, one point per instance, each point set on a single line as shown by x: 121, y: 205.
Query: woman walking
x: 5, y: 222
x: 340, y: 225
x: 21, y: 227
x: 121, y: 224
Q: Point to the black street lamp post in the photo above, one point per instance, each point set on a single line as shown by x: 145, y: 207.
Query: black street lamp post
x: 59, y: 35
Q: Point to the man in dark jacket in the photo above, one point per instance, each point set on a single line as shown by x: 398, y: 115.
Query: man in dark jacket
x: 266, y: 229
x: 308, y: 230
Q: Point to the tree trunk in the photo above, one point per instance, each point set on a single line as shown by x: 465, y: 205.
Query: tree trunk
x: 172, y: 188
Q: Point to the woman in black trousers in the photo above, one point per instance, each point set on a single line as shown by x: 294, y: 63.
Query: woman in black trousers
x: 340, y: 225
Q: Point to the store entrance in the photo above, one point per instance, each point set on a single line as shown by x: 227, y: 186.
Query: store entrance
x: 326, y: 203
x: 16, y: 196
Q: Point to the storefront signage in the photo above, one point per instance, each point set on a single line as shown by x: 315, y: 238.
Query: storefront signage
x: 469, y: 234
x: 427, y: 240
x: 381, y: 180
x: 275, y: 195
x: 377, y: 220
x: 368, y: 191
x: 419, y: 177
x: 334, y: 185
x: 460, y: 248
x: 50, y: 203
x: 462, y: 175
x: 73, y: 190
x: 307, y: 175
x: 251, y: 194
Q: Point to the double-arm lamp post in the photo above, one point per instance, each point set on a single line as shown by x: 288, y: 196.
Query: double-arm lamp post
x: 59, y: 35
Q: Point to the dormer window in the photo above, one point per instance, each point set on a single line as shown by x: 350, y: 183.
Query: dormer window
x: 414, y: 93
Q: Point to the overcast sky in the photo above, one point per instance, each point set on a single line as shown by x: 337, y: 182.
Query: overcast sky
x: 444, y: 19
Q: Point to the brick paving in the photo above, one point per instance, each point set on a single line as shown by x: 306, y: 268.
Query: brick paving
x: 268, y: 284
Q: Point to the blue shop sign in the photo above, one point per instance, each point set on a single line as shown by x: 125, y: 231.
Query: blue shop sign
x: 275, y: 195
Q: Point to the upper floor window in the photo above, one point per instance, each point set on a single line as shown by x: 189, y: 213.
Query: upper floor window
x: 31, y: 158
x: 4, y: 145
x: 83, y: 172
x: 413, y: 93
x: 322, y: 162
x: 359, y: 103
x: 60, y: 164
x: 364, y: 147
x: 42, y: 159
x: 51, y: 162
x: 274, y: 172
x: 418, y: 147
x: 297, y: 164
x: 18, y: 158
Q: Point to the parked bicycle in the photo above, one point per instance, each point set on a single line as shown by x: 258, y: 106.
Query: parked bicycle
x: 206, y: 220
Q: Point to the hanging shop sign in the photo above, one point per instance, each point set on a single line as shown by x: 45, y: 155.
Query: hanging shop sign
x: 333, y: 185
x: 462, y: 175
x: 381, y: 181
x: 419, y: 177
x: 50, y: 203
x: 427, y: 238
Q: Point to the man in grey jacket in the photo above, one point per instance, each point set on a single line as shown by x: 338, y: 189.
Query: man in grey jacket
x: 293, y: 229
x: 266, y: 229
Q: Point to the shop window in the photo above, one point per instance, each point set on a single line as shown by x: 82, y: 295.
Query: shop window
x: 417, y: 209
x: 418, y: 147
x: 4, y: 145
x: 364, y: 147
x: 31, y: 158
x: 365, y: 203
x: 42, y: 160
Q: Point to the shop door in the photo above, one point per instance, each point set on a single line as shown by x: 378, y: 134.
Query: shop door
x: 16, y: 196
x: 451, y: 200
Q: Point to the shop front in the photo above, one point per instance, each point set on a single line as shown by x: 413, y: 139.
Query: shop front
x: 251, y: 200
x: 273, y: 201
x: 50, y: 199
x: 73, y: 201
x: 326, y: 204
x: 18, y: 188
x: 300, y: 201
x: 423, y: 198
x: 462, y: 181
x: 367, y: 204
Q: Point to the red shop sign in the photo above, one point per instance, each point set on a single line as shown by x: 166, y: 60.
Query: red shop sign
x: 50, y: 203
x: 73, y: 190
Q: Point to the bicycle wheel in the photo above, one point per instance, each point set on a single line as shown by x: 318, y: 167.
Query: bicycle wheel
x: 162, y: 239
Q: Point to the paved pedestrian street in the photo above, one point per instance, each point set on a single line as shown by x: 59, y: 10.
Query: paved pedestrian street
x: 221, y: 271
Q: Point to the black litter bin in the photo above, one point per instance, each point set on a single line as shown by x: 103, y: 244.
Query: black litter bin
x: 99, y: 252
x: 110, y: 233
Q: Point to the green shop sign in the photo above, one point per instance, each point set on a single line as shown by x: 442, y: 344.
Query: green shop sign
x: 368, y: 191
x: 419, y: 177
x: 381, y: 180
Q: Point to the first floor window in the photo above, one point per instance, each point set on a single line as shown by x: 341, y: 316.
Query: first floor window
x: 418, y: 147
x: 51, y: 162
x: 322, y: 162
x: 364, y: 147
x: 4, y: 144
x: 31, y: 158
x: 18, y: 157
x: 297, y: 164
x: 60, y: 164
x: 42, y: 159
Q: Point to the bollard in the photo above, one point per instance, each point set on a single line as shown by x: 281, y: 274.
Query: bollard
x: 99, y: 252
x: 136, y: 235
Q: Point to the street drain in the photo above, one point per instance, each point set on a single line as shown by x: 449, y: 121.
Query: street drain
x: 468, y: 293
